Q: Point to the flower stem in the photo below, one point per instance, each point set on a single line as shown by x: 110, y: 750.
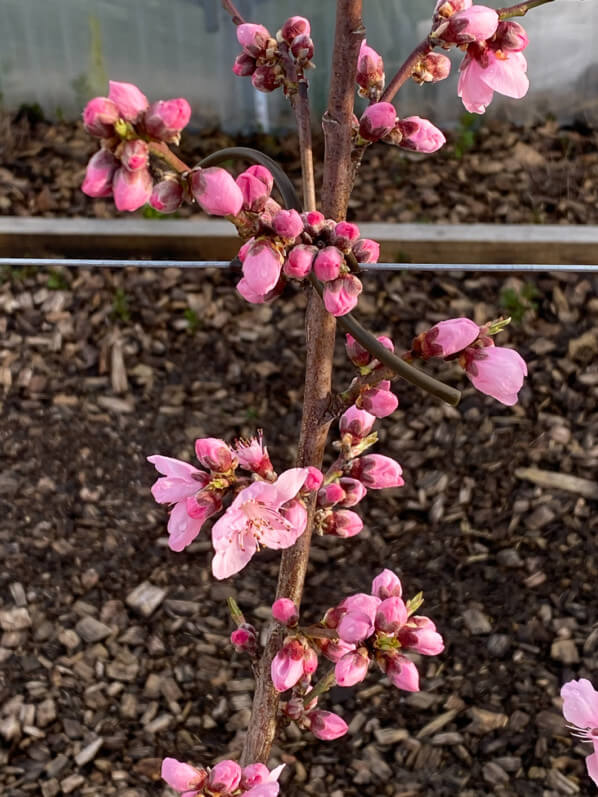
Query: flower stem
x: 520, y: 9
x: 230, y: 8
x: 303, y: 117
x: 161, y: 150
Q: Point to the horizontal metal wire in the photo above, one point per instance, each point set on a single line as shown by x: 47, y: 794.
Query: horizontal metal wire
x: 42, y: 262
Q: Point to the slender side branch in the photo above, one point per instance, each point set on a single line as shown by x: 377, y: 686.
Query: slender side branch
x: 230, y: 8
x: 303, y: 117
x: 520, y: 9
x: 161, y: 150
x: 405, y: 71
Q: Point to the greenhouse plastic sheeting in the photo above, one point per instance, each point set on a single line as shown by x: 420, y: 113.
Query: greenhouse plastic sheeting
x: 58, y: 53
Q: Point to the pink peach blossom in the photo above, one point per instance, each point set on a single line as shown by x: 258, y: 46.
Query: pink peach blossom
x: 496, y: 371
x: 354, y: 492
x: 99, y: 174
x: 343, y: 523
x: 330, y: 494
x: 214, y: 454
x: 314, y: 479
x: 446, y: 338
x: 433, y: 68
x: 244, y: 65
x: 370, y: 70
x: 357, y: 423
x: 287, y: 667
x: 244, y: 638
x: 341, y: 295
x: 131, y: 189
x: 366, y: 250
x: 484, y: 71
x: 225, y: 777
x: 247, y: 292
x: 391, y: 615
x: 293, y: 27
x: 314, y: 221
x: 402, y: 672
x: 345, y: 235
x: 379, y: 401
x: 420, y: 635
x: 253, y: 455
x: 216, y: 191
x: 267, y: 78
x: 255, y: 191
x: 179, y: 479
x: 99, y: 117
x: 253, y: 518
x: 130, y: 101
x: 474, y: 24
x: 183, y: 777
x: 303, y: 48
x: 580, y: 707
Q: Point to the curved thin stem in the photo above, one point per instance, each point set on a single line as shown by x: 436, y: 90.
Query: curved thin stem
x: 405, y: 71
x: 230, y: 8
x: 520, y: 9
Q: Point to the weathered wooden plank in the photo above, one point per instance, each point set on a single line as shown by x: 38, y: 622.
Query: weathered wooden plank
x: 216, y: 239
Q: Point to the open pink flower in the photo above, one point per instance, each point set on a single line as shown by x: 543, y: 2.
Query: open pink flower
x: 254, y: 518
x: 580, y: 707
x: 496, y: 371
x: 183, y: 777
x: 485, y: 70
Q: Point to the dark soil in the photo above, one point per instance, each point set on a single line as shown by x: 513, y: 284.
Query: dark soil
x: 100, y: 369
x: 489, y: 172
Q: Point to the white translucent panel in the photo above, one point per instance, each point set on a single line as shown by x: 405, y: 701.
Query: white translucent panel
x: 59, y: 52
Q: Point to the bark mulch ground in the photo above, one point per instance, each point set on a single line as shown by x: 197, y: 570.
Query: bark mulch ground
x: 114, y: 651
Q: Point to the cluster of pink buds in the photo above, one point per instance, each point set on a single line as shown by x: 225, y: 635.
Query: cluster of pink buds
x: 270, y: 61
x: 226, y: 779
x: 286, y: 244
x: 493, y: 370
x: 268, y: 511
x: 379, y: 628
x: 379, y: 121
x: 494, y: 59
x: 127, y: 124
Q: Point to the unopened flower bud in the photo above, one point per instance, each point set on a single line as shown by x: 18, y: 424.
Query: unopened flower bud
x: 299, y: 261
x: 376, y: 471
x: 287, y: 665
x: 254, y: 39
x: 131, y: 189
x: 370, y: 71
x: 446, y: 338
x: 421, y: 636
x: 314, y: 222
x: 293, y: 27
x: 386, y: 585
x: 261, y: 266
x: 99, y: 117
x: 356, y: 423
x: 402, y: 672
x: 302, y: 47
x: 214, y: 454
x: 432, y: 68
x: 216, y: 192
x: 330, y: 494
x: 167, y: 196
x: 244, y: 639
x: 99, y: 174
x: 366, y: 250
x: 134, y: 155
x: 352, y: 668
x: 314, y: 479
x: 328, y: 262
x: 447, y: 8
x: 203, y: 505
x: 253, y: 775
x: 342, y: 294
x: 287, y: 224
x: 391, y: 615
x: 420, y: 135
x: 343, y: 523
x: 379, y: 401
x: 266, y: 78
x: 377, y: 121
x: 130, y: 101
x: 354, y: 491
x: 255, y: 191
x: 285, y: 612
x: 477, y: 23
x: 510, y: 36
x: 326, y: 725
x: 166, y: 118
x: 356, y: 352
x: 355, y: 626
x: 183, y: 777
x: 346, y: 234
x: 244, y: 65
x: 496, y: 371
x: 310, y: 661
